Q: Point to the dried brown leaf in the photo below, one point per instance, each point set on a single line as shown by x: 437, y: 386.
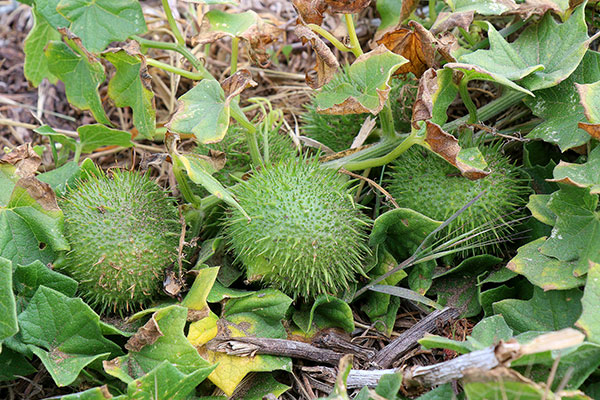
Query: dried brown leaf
x: 236, y: 84
x: 446, y: 21
x: 423, y: 105
x: 327, y: 63
x: 25, y: 160
x: 407, y: 8
x: 207, y: 37
x: 258, y: 38
x: 310, y: 11
x: 347, y: 6
x: 447, y: 146
x: 535, y: 7
x: 592, y: 129
x: 146, y: 335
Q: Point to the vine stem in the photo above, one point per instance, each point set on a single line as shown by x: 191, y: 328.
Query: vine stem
x: 172, y: 23
x: 184, y: 51
x: 392, y: 155
x: 235, y: 46
x: 356, y: 49
x: 466, y: 98
x: 251, y: 131
x: 387, y: 120
x: 432, y: 11
x: 327, y: 35
x: 195, y: 76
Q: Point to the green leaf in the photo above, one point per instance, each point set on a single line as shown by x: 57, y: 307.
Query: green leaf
x: 477, y: 73
x: 47, y: 9
x: 64, y: 333
x: 131, y: 87
x: 504, y: 388
x: 96, y: 135
x: 576, y: 234
x: 100, y: 22
x: 31, y: 224
x: 590, y: 99
x: 401, y: 231
x: 483, y: 7
x: 581, y: 175
x: 538, y: 205
x: 362, y: 87
x: 443, y: 392
x: 560, y: 108
x: 81, y: 75
x: 326, y: 312
x: 97, y: 393
x: 171, y: 346
x: 390, y: 11
x: 405, y: 294
x: 264, y: 384
x: 36, y: 63
x: 59, y: 178
x: 198, y: 174
x: 543, y: 271
x: 203, y: 111
x: 28, y: 278
x: 14, y: 365
x: 166, y: 381
x: 590, y: 302
x: 559, y: 48
x: 545, y: 311
x: 230, y: 23
x: 8, y: 307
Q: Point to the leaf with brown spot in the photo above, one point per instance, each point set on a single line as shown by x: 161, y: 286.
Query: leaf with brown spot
x: 446, y: 21
x: 592, y: 129
x: 447, y: 146
x: 435, y: 93
x: 327, y: 63
x: 146, y: 335
x: 25, y: 160
x: 310, y: 11
x: 347, y: 6
x: 38, y: 191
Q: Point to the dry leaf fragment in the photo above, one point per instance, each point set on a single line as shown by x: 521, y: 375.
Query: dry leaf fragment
x: 592, y: 129
x: 447, y: 146
x: 423, y: 105
x: 326, y: 65
x: 258, y: 38
x: 236, y: 84
x: 25, y: 160
x: 446, y: 21
x: 347, y: 6
x: 146, y: 335
x: 310, y: 11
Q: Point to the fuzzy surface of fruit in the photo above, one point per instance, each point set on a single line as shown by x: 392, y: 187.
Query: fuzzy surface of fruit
x: 123, y: 231
x: 424, y: 182
x: 306, y: 236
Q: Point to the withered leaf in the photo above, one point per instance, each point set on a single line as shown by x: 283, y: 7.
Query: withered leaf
x: 347, y: 6
x: 423, y: 105
x: 25, y: 160
x: 327, y: 63
x: 258, y: 38
x: 535, y: 7
x: 447, y: 146
x: 446, y: 21
x: 310, y: 11
x: 236, y: 84
x: 146, y: 335
x: 208, y: 37
x: 592, y: 129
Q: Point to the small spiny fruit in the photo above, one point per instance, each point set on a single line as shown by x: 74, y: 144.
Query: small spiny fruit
x: 424, y: 182
x: 306, y: 236
x: 123, y: 232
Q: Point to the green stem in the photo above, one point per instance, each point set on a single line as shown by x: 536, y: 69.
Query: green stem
x: 356, y: 49
x: 184, y: 51
x: 391, y: 156
x: 195, y: 76
x: 235, y: 44
x: 184, y: 185
x: 178, y: 36
x: 387, y: 121
x: 325, y: 33
x: 250, y: 135
x: 466, y: 98
x: 432, y: 11
x: 509, y: 30
x: 77, y: 156
x: 472, y: 41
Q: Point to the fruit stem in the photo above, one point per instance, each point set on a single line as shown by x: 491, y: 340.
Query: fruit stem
x: 327, y: 35
x: 172, y: 23
x: 466, y: 98
x: 250, y: 134
x: 356, y: 49
x: 181, y: 49
x: 392, y: 155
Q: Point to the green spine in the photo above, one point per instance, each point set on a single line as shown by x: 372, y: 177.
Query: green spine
x: 123, y: 233
x: 306, y: 236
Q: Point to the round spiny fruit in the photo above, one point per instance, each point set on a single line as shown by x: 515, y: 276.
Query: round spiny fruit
x: 306, y: 237
x: 424, y: 182
x: 123, y: 234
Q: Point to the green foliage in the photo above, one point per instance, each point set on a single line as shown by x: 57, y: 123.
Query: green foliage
x: 416, y: 179
x: 306, y: 236
x: 123, y: 233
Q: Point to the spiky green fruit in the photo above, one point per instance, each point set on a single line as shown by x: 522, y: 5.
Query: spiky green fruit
x: 306, y: 236
x: 123, y: 231
x: 424, y: 182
